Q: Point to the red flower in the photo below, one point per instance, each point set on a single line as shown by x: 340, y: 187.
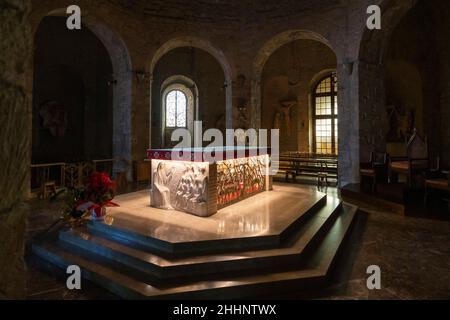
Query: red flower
x: 100, y: 188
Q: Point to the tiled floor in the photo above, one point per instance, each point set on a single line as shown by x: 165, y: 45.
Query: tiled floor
x: 413, y: 254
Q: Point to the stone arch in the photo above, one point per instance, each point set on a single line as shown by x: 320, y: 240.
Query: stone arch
x: 264, y: 54
x: 122, y: 82
x: 188, y: 41
x: 373, y: 48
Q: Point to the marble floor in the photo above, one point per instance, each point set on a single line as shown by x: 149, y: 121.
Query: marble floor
x: 413, y: 254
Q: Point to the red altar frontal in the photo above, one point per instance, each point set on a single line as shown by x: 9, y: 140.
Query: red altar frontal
x: 201, y: 181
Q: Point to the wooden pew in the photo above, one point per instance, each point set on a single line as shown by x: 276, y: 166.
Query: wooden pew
x: 300, y: 164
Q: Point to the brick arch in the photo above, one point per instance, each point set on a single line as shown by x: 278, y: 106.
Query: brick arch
x: 227, y: 67
x: 122, y: 97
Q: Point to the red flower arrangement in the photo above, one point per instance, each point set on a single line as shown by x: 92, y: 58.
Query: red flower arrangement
x: 99, y: 193
x: 93, y: 198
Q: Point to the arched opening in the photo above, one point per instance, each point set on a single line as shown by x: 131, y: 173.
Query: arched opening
x: 81, y: 98
x: 72, y: 95
x: 199, y: 47
x: 262, y: 58
x: 407, y: 66
x: 287, y: 101
x: 199, y: 76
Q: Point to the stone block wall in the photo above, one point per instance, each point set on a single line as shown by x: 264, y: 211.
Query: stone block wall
x: 15, y: 50
x: 239, y: 32
x: 236, y: 33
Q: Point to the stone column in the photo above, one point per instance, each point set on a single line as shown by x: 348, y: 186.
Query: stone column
x: 15, y: 49
x: 349, y: 124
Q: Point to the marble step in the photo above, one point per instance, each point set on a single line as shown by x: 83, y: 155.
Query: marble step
x: 175, y: 240
x: 158, y: 266
x: 313, y: 273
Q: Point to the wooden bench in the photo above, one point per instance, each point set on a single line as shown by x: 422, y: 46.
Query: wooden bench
x: 313, y: 166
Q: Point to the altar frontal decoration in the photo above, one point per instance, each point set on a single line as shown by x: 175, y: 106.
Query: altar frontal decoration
x: 202, y: 188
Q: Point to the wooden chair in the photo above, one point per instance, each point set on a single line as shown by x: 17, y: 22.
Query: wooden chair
x: 375, y: 169
x: 415, y: 162
x: 48, y: 189
x: 48, y: 186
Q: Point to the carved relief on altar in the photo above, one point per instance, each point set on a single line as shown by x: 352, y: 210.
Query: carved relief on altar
x: 161, y: 193
x: 238, y: 179
x: 192, y: 189
x: 182, y: 186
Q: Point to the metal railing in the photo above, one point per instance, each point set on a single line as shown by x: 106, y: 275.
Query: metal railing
x: 61, y: 174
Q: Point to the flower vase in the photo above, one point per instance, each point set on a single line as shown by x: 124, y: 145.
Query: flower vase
x: 98, y: 214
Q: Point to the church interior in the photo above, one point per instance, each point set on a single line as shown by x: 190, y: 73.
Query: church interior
x: 89, y: 178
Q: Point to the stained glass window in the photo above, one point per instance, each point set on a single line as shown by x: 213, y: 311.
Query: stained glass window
x: 176, y: 109
x: 325, y: 116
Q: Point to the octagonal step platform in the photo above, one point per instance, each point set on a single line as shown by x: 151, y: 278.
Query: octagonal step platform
x: 263, y: 221
x: 131, y: 268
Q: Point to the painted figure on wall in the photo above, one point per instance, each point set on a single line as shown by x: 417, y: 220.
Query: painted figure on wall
x: 401, y: 124
x: 54, y: 116
x: 286, y: 107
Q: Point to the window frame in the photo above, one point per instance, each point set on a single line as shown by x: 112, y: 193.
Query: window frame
x: 333, y: 116
x: 176, y: 113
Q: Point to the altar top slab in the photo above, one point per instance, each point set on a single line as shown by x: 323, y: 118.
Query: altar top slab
x: 198, y: 154
x: 261, y: 221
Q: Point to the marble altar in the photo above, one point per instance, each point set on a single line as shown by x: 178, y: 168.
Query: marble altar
x: 200, y: 185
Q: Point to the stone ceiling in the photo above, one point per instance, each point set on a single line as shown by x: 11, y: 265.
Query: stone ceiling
x: 232, y: 11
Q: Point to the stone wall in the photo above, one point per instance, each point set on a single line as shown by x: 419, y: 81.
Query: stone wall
x: 236, y: 34
x: 242, y: 35
x: 15, y: 49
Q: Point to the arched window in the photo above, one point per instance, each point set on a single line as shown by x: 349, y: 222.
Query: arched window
x: 176, y: 109
x: 179, y: 106
x: 325, y: 116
